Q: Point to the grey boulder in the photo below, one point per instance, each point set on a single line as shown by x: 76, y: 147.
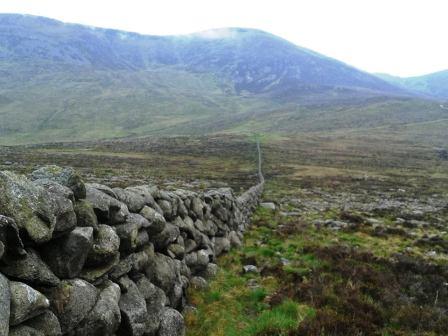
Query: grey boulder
x: 128, y: 233
x: 198, y: 282
x: 10, y: 238
x: 197, y: 208
x: 268, y: 205
x: 134, y: 201
x: 56, y: 188
x: 66, y: 256
x: 24, y: 330
x: 133, y: 262
x: 72, y: 301
x: 133, y: 309
x: 166, y: 237
x: 156, y: 220
x: 210, y: 271
x: 234, y: 239
x: 172, y: 323
x: 107, y: 208
x: 30, y: 268
x: 105, y: 246
x: 138, y: 220
x: 105, y: 316
x: 222, y: 245
x: 26, y: 303
x: 63, y: 204
x: 94, y: 274
x: 163, y: 272
x: 197, y: 261
x: 30, y: 205
x: 156, y: 300
x: 166, y: 208
x: 66, y: 176
x: 85, y: 215
x: 46, y: 323
x: 176, y: 251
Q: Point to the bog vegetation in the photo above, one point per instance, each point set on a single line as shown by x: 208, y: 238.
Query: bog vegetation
x: 357, y: 244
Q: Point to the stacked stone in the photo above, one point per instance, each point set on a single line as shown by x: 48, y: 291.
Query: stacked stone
x: 248, y: 201
x: 86, y: 259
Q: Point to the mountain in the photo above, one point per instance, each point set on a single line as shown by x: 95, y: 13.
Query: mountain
x: 254, y: 60
x: 63, y: 81
x: 432, y: 85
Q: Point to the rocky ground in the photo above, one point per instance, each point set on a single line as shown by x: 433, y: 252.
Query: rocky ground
x: 352, y: 239
x: 319, y: 261
x: 350, y: 245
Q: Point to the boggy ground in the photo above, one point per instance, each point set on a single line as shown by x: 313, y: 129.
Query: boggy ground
x: 193, y: 162
x: 357, y: 245
x: 332, y: 272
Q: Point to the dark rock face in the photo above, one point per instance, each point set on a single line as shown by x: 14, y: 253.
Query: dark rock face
x: 9, y: 238
x: 30, y: 268
x: 67, y: 257
x: 85, y: 259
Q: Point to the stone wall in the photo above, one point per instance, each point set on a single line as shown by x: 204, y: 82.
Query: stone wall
x: 85, y: 259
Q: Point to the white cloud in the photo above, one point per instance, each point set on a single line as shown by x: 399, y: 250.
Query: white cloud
x: 401, y: 37
x: 216, y: 33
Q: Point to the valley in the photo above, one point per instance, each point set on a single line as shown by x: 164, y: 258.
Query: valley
x: 351, y: 233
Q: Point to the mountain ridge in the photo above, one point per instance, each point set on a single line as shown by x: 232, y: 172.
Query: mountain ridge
x: 203, y: 51
x: 65, y: 82
x: 431, y: 85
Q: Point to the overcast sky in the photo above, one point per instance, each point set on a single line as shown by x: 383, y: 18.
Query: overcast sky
x: 400, y: 37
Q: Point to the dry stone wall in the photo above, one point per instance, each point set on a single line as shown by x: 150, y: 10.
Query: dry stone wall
x: 85, y: 259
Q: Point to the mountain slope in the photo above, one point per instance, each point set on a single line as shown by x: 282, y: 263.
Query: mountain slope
x: 434, y: 84
x: 254, y: 60
x: 71, y: 82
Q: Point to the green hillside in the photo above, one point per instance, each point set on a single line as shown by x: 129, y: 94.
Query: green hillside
x: 76, y: 105
x: 432, y: 85
x: 66, y: 82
